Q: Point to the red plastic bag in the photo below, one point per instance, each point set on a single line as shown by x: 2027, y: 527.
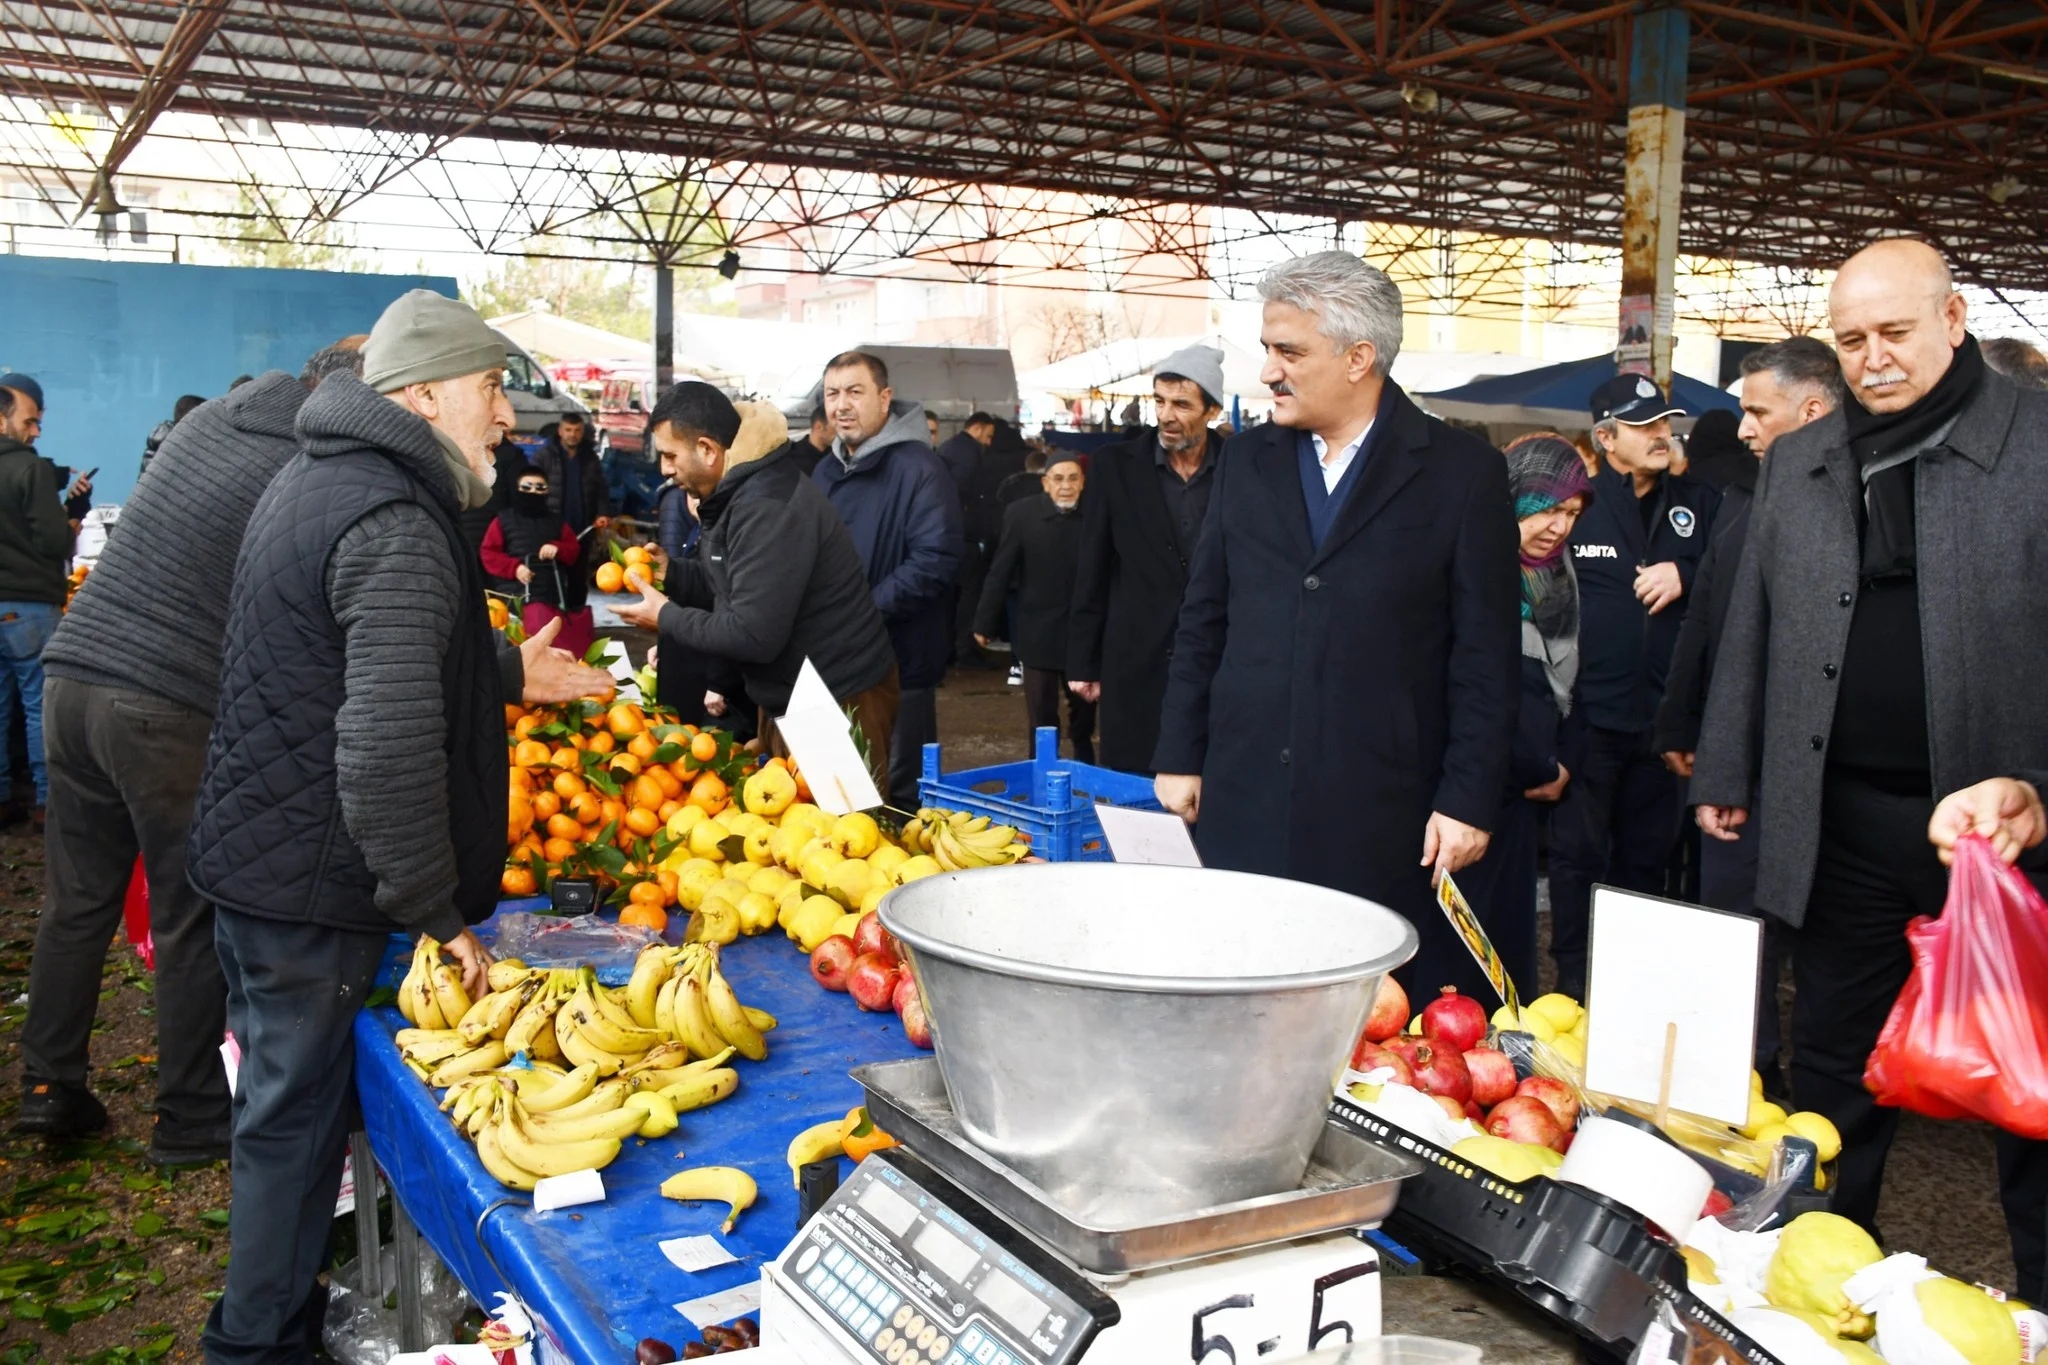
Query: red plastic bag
x: 1967, y: 1037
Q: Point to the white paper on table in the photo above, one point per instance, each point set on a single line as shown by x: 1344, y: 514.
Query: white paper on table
x: 820, y: 738
x: 697, y: 1253
x: 1655, y: 962
x: 1147, y: 836
x: 723, y: 1306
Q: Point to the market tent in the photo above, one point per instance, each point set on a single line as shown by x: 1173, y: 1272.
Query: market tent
x: 1556, y: 396
x: 548, y: 336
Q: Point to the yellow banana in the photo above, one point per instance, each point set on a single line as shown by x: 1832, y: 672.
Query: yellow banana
x: 663, y: 1055
x: 507, y: 973
x: 600, y: 1028
x: 730, y: 1020
x: 536, y: 1014
x: 448, y: 993
x: 761, y: 1019
x: 491, y: 1054
x: 492, y: 1016
x: 546, y: 1047
x: 405, y: 992
x: 913, y: 835
x: 814, y: 1143
x: 578, y: 1048
x: 414, y: 1067
x: 693, y: 1020
x: 419, y: 986
x: 503, y: 1169
x: 610, y: 1006
x: 652, y: 968
x: 410, y: 1038
x: 619, y: 1124
x: 606, y: 1096
x: 658, y: 1116
x: 548, y: 1158
x: 665, y: 1008
x: 727, y: 1183
x: 570, y: 1089
x: 467, y: 1098
x: 701, y: 1091
x: 661, y: 1078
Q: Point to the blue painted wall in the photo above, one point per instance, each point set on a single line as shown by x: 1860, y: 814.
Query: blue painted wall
x: 114, y: 343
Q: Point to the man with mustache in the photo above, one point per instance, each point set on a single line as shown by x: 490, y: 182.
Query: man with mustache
x: 1877, y: 657
x: 1635, y: 551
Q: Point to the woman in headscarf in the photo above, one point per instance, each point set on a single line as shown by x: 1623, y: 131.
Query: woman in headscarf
x: 1550, y: 487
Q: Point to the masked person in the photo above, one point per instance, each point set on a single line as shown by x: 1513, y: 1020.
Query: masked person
x: 531, y: 551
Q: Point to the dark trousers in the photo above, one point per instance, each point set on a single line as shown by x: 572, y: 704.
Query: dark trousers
x: 293, y: 993
x: 917, y: 724
x: 1728, y: 882
x: 1044, y: 690
x: 1616, y: 825
x: 124, y: 767
x: 1875, y: 873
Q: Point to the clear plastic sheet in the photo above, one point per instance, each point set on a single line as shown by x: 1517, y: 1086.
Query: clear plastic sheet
x: 360, y: 1330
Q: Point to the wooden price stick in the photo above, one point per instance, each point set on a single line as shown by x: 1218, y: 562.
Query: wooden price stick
x: 1664, y: 1077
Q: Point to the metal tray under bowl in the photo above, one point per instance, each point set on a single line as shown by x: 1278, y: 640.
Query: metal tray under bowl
x: 1350, y: 1183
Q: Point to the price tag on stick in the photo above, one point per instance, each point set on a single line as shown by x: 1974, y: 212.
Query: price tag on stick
x: 1160, y: 838
x: 1671, y: 997
x: 1459, y: 913
x: 820, y: 738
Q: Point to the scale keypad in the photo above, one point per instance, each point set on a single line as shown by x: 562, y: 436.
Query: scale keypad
x: 896, y: 1330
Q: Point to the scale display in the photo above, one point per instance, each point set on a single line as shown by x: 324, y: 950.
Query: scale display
x: 918, y: 1274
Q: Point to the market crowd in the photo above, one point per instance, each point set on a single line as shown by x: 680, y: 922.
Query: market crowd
x: 1353, y: 645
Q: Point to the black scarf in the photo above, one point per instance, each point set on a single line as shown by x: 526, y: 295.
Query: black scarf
x: 1885, y: 445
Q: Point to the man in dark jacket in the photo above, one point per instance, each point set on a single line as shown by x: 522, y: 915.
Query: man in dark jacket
x: 576, y: 486
x: 133, y: 674
x: 776, y: 579
x: 981, y: 521
x: 1140, y: 523
x: 1873, y: 661
x: 1785, y: 385
x: 35, y: 541
x: 1345, y: 679
x: 355, y: 780
x: 805, y: 451
x: 1035, y: 557
x: 1635, y: 551
x: 897, y: 499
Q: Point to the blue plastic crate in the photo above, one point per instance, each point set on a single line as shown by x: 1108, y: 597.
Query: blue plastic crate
x: 1051, y: 800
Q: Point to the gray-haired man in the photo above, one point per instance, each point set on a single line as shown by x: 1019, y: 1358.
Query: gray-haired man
x: 1344, y: 680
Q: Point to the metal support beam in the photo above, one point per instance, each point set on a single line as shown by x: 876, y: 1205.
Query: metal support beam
x: 1655, y: 176
x: 664, y: 327
x: 189, y: 36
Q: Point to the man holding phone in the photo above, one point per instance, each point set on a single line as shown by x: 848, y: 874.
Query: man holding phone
x: 35, y: 542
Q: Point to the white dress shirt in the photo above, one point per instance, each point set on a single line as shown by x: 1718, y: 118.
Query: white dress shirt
x: 1334, y: 466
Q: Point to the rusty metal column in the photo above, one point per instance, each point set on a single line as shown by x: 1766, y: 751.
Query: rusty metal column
x: 664, y: 327
x: 1656, y: 173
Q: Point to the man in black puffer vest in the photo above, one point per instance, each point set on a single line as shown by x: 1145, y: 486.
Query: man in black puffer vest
x: 355, y: 782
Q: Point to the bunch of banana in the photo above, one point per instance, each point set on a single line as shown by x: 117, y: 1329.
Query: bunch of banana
x: 431, y: 995
x: 962, y: 842
x: 519, y: 1146
x: 682, y: 995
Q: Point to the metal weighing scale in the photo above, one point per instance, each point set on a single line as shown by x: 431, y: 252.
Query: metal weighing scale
x: 935, y: 1253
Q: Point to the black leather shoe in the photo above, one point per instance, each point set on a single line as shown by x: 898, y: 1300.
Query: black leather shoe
x: 58, y: 1111
x: 171, y: 1146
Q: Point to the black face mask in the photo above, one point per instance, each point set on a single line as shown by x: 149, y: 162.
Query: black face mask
x: 533, y: 504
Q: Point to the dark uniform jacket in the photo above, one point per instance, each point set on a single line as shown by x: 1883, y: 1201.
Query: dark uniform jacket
x: 1706, y: 613
x: 1623, y: 649
x: 1036, y: 555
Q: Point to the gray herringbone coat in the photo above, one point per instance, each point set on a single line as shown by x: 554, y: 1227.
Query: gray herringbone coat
x: 1982, y: 510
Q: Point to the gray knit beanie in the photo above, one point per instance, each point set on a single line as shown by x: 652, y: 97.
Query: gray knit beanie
x: 424, y: 337
x: 1201, y: 364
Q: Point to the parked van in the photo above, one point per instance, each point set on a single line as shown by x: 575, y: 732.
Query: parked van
x: 951, y: 382
x: 537, y: 401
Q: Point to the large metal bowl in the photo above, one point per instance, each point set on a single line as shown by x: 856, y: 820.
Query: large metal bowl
x: 1143, y: 1041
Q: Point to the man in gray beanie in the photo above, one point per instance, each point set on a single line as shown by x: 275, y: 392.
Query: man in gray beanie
x: 355, y: 781
x: 1140, y: 522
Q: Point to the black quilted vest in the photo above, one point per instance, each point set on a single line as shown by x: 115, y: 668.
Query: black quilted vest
x: 268, y: 837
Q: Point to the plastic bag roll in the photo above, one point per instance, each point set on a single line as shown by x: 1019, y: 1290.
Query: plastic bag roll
x: 562, y: 1191
x: 1639, y: 1171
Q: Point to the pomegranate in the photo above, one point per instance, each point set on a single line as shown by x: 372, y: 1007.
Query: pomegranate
x: 1389, y: 1013
x: 1371, y: 1057
x: 1439, y: 1070
x: 1457, y: 1021
x: 1717, y: 1204
x: 1556, y: 1095
x: 1475, y: 1113
x: 1519, y: 1118
x: 916, y: 1027
x: 1493, y: 1075
x: 906, y: 989
x: 830, y: 961
x: 870, y: 937
x: 1451, y: 1107
x: 871, y: 981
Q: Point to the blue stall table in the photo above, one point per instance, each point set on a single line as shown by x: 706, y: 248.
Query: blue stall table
x: 593, y: 1276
